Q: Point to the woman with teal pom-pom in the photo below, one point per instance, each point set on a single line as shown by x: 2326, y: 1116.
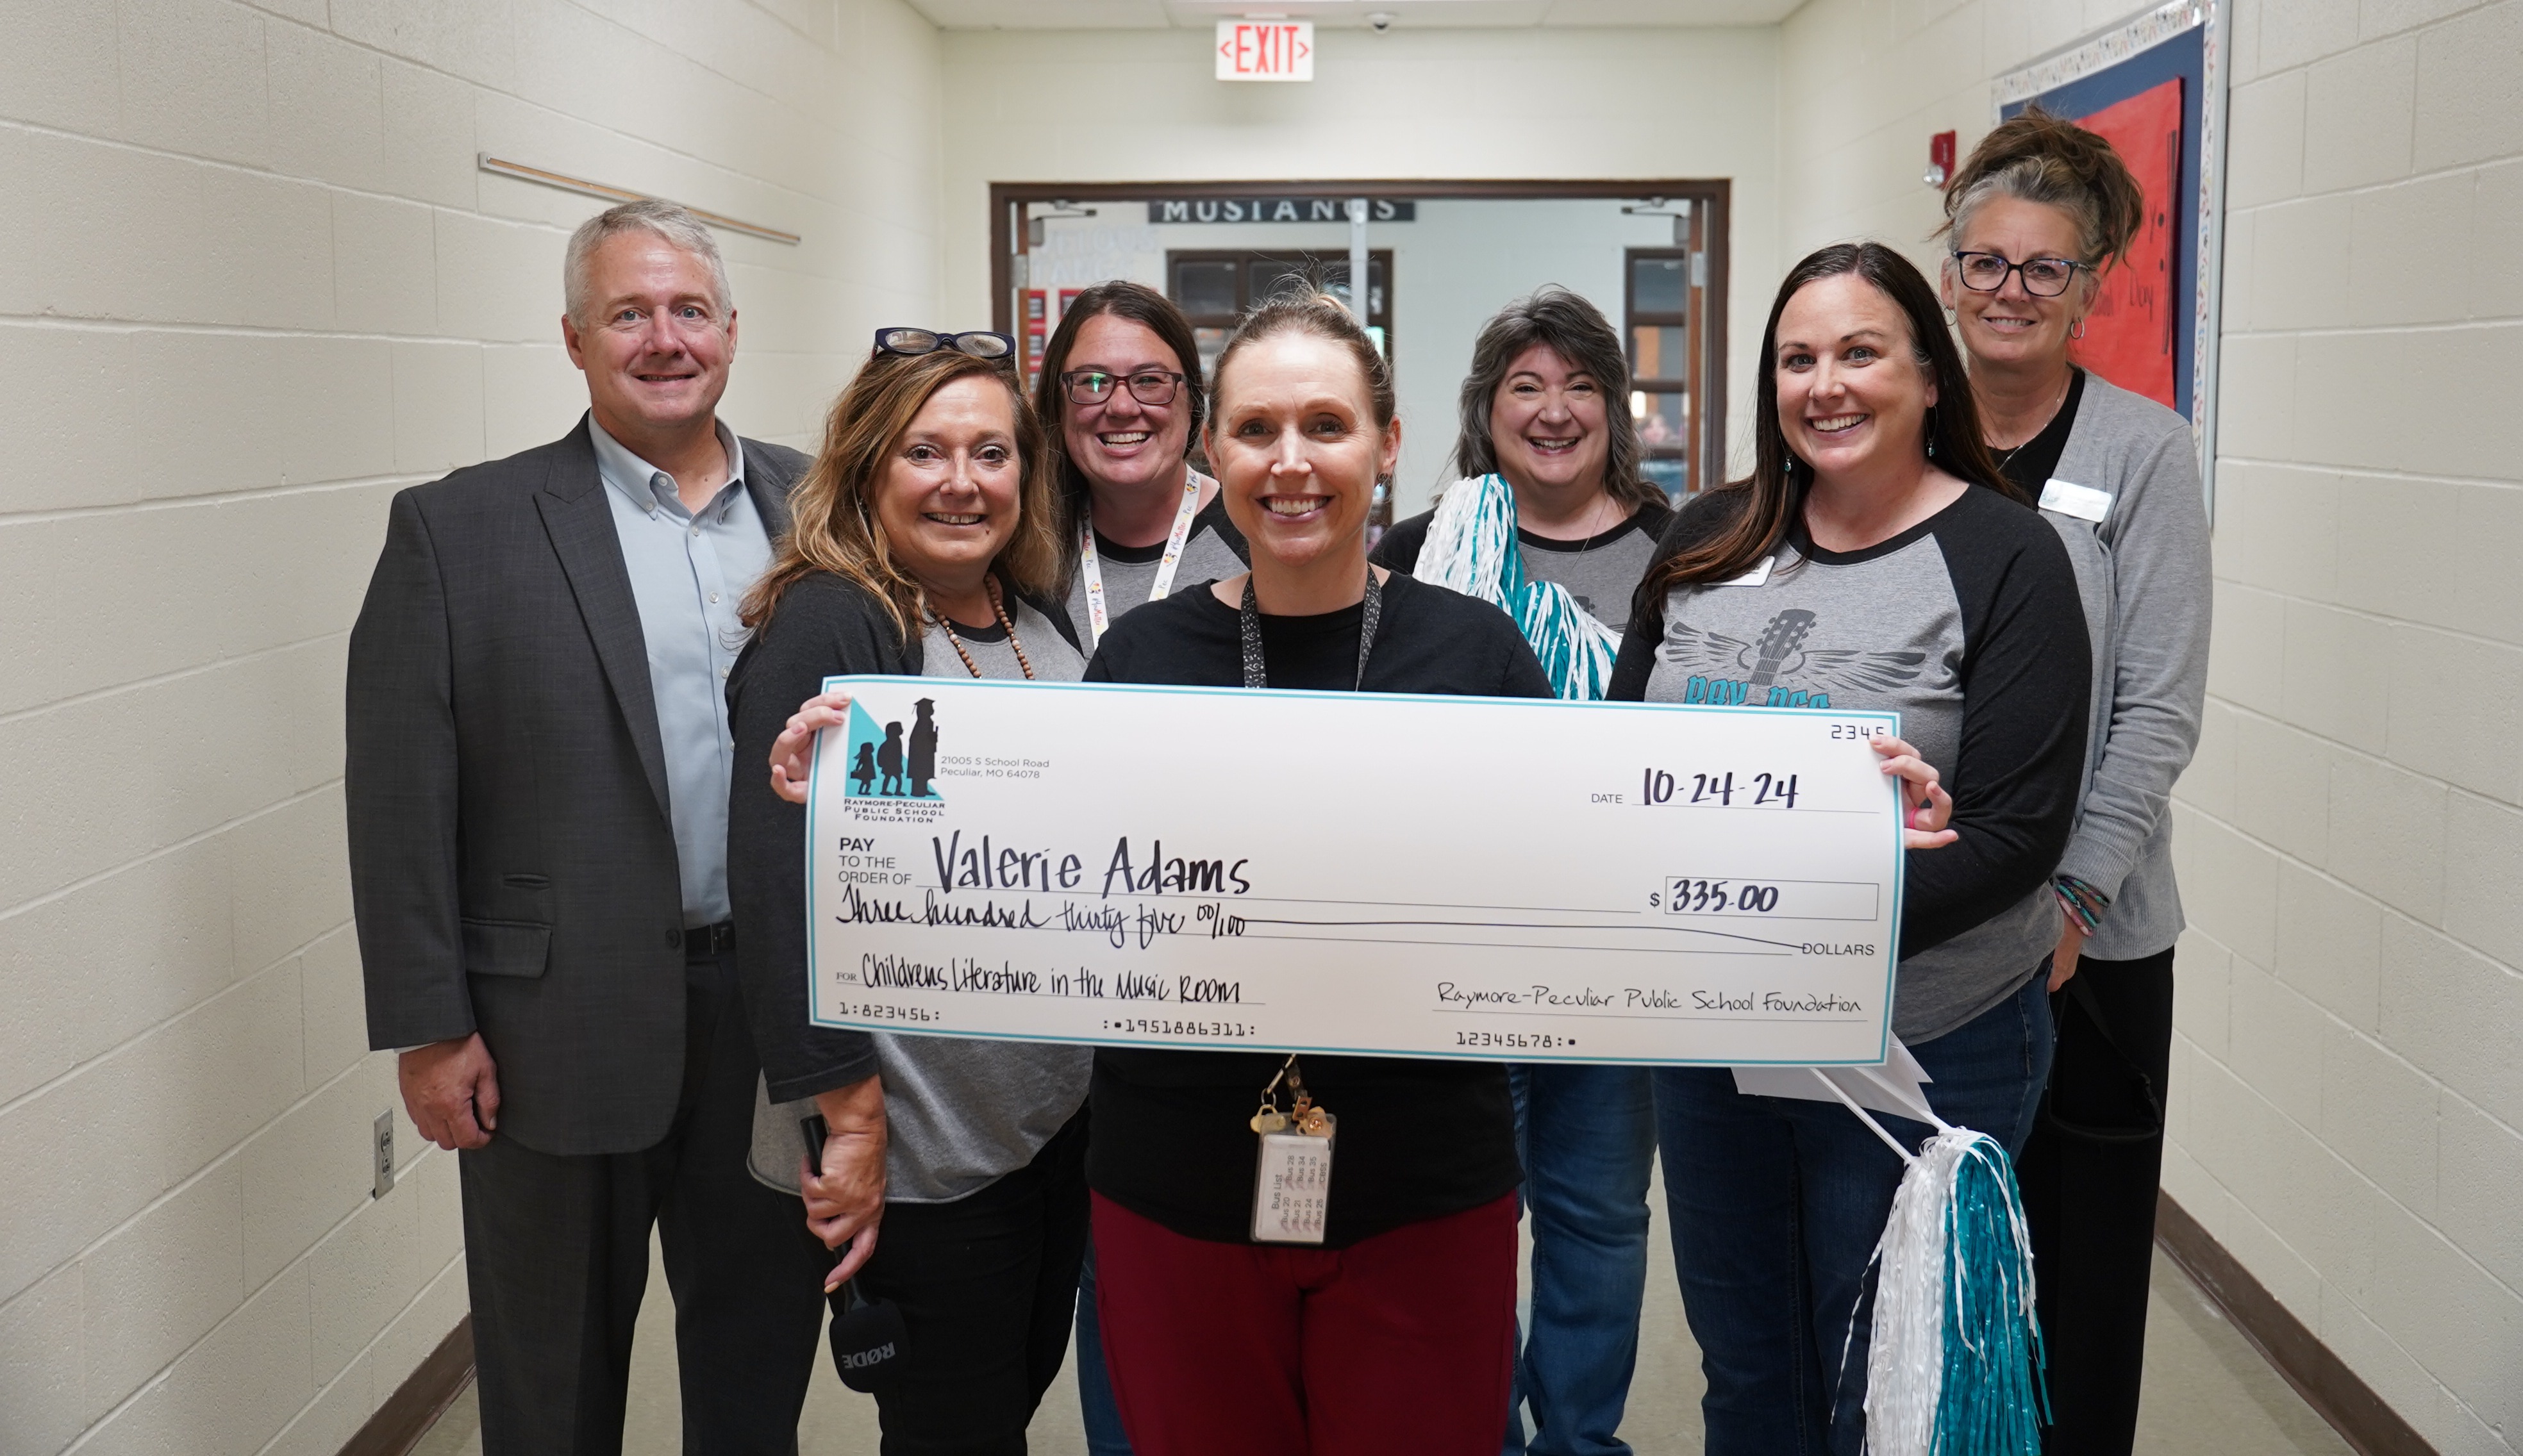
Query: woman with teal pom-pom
x: 1876, y: 558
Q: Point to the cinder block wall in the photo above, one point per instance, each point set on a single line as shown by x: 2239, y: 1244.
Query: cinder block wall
x: 252, y: 282
x: 2351, y: 1010
x: 2348, y: 1079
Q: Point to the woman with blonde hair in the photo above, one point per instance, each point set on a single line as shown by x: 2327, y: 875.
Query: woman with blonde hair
x: 923, y: 544
x: 2038, y: 212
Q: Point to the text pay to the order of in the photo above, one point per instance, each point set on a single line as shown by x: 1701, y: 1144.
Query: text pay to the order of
x: 1432, y: 877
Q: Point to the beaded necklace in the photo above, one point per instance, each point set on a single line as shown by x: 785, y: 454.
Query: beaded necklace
x: 996, y: 610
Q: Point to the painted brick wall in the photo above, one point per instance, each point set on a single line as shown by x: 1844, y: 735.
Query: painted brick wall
x: 252, y: 283
x: 2348, y: 1078
x: 2352, y: 1013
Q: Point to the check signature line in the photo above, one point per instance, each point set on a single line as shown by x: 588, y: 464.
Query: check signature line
x: 1620, y: 1015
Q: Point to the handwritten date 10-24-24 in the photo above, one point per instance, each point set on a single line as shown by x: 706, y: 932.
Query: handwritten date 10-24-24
x: 1728, y: 789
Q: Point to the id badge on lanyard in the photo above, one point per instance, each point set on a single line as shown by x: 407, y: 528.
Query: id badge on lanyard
x: 1090, y: 570
x: 1292, y: 1181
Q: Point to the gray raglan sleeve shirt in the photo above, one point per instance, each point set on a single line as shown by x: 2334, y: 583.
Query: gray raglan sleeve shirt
x: 2144, y: 575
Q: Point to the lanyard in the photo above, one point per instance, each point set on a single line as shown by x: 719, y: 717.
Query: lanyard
x: 1093, y: 570
x: 1256, y: 675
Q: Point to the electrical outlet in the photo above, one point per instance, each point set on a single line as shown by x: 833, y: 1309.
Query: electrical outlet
x: 381, y: 1144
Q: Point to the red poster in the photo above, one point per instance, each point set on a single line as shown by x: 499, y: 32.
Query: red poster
x: 2131, y: 336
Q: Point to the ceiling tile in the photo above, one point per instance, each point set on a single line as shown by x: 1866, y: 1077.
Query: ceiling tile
x: 1348, y: 13
x: 1408, y: 15
x: 1670, y: 12
x: 1044, y: 15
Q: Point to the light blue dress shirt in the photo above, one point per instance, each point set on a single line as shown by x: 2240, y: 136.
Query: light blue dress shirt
x: 689, y: 575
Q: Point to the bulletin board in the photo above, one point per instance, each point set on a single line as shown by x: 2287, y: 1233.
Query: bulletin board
x: 2153, y: 87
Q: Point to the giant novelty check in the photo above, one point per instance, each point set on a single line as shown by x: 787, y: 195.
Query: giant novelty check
x: 1413, y: 876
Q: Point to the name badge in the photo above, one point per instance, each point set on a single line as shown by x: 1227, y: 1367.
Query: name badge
x: 2069, y: 498
x: 1292, y: 1188
x: 1761, y: 573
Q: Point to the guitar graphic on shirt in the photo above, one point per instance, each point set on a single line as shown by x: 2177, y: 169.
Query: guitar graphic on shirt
x: 1779, y: 642
x: 1780, y: 668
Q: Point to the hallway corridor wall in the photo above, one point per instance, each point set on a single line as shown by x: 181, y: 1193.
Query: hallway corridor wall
x: 250, y: 284
x: 2348, y: 1078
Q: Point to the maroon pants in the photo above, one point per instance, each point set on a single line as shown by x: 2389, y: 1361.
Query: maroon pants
x: 1405, y: 1341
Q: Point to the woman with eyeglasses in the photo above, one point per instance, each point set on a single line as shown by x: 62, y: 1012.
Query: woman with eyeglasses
x: 923, y: 544
x: 2040, y: 210
x: 1873, y: 559
x: 1121, y: 394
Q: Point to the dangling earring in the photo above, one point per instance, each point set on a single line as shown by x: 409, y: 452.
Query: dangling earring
x: 1931, y: 432
x: 1949, y: 316
x: 2076, y: 330
x: 1787, y: 453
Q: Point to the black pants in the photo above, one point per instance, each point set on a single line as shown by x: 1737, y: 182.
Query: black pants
x: 987, y: 1286
x: 2091, y: 1202
x: 557, y: 1252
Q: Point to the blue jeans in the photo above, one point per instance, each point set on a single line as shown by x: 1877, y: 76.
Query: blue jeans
x: 1096, y: 1409
x: 1586, y: 1135
x: 1776, y: 1205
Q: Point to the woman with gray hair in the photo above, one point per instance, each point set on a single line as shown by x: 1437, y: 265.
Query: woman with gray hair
x: 2036, y: 213
x: 1553, y: 524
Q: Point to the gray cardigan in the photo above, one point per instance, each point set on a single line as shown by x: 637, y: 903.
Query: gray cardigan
x: 2143, y: 572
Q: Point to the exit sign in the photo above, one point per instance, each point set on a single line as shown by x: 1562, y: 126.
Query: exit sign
x: 1265, y: 50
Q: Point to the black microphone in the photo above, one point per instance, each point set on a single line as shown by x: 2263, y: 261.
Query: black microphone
x: 868, y: 1343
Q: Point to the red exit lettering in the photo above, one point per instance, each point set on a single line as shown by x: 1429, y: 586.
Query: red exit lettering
x: 1264, y: 51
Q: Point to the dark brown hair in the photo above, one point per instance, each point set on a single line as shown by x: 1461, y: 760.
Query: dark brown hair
x: 1306, y: 309
x: 1759, y: 509
x: 2040, y: 157
x: 834, y: 526
x: 1141, y: 305
x: 1585, y: 342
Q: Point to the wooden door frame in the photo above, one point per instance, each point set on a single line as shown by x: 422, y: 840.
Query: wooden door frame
x: 1715, y: 194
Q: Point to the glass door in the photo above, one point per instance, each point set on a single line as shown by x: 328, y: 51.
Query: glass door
x: 1214, y: 287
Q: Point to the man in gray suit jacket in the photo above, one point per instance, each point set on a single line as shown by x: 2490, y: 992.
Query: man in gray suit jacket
x: 539, y: 761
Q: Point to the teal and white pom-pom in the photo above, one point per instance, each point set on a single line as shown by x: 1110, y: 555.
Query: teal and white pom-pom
x: 1954, y: 1366
x: 1471, y: 548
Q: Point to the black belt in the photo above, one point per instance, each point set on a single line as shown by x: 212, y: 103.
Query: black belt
x: 710, y: 940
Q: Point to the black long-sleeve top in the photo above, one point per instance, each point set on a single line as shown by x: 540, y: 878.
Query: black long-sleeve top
x: 1969, y: 626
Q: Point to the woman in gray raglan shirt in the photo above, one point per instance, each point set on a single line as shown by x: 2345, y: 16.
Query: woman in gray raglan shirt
x: 1876, y: 559
x: 2037, y: 213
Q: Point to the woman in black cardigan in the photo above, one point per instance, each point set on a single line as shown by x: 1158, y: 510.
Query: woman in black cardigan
x: 923, y: 546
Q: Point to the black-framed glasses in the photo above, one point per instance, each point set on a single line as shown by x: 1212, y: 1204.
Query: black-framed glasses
x: 2043, y: 277
x: 1095, y: 385
x: 980, y: 344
